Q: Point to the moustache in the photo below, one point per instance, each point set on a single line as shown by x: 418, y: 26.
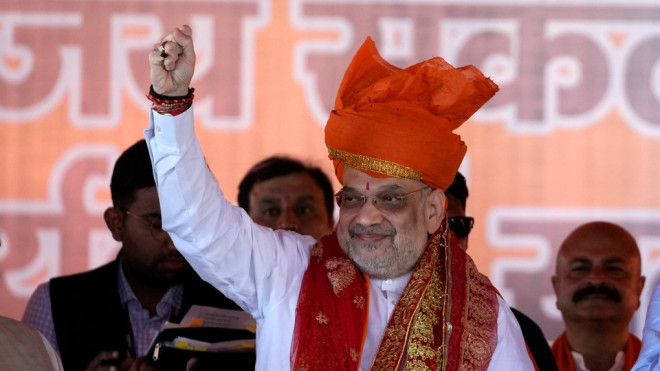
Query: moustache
x: 608, y: 292
x: 372, y: 229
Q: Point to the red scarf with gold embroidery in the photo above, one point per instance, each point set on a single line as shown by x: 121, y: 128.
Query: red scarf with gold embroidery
x: 446, y: 318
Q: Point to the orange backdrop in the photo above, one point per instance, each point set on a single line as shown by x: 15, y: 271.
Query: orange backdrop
x: 571, y: 137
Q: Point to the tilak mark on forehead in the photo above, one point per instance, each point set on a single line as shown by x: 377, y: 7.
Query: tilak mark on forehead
x: 367, y: 186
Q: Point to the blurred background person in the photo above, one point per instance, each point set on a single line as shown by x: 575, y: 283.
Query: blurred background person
x: 598, y: 284
x: 283, y: 193
x: 112, y: 314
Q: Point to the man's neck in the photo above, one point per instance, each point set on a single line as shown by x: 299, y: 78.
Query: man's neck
x: 598, y: 343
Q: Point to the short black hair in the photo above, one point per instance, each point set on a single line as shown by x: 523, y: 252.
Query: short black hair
x: 131, y: 173
x: 458, y: 189
x: 276, y: 166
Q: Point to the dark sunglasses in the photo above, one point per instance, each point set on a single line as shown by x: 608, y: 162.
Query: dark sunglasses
x: 461, y: 225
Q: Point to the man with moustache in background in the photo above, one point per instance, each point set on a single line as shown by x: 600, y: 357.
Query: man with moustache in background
x: 598, y: 283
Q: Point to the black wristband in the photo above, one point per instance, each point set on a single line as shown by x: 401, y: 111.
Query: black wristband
x: 165, y: 97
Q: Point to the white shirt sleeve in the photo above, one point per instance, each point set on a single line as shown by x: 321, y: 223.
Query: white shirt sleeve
x: 511, y: 351
x: 252, y: 265
x: 649, y: 356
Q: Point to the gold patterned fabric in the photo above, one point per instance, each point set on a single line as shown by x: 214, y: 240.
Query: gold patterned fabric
x: 375, y: 165
x: 446, y: 318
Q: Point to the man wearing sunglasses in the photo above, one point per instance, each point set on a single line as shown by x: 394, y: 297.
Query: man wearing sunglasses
x: 461, y: 225
x: 108, y: 317
x: 388, y: 289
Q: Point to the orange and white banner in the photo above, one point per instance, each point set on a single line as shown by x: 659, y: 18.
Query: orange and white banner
x: 572, y: 136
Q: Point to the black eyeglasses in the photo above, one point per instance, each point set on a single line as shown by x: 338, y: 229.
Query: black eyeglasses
x: 157, y: 231
x: 391, y: 202
x: 461, y: 225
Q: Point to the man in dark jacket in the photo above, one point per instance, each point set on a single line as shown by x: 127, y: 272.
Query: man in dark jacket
x: 112, y: 314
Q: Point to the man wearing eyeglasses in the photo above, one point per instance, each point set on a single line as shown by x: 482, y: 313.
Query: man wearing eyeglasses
x: 461, y: 225
x: 108, y: 317
x: 388, y: 289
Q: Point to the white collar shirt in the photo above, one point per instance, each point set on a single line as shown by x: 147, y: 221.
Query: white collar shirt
x: 581, y: 366
x: 383, y: 296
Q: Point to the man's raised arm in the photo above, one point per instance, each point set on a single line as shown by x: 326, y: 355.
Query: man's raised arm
x: 219, y: 240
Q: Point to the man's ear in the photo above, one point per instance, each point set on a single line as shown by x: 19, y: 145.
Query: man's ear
x: 640, y: 285
x: 114, y: 219
x: 555, y: 283
x: 436, y: 203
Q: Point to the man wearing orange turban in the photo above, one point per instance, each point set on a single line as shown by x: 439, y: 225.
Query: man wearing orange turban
x: 389, y: 288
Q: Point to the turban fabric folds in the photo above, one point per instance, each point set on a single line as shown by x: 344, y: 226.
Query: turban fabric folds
x: 392, y: 122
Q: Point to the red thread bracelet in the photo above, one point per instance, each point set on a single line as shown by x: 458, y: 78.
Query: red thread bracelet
x: 173, y: 106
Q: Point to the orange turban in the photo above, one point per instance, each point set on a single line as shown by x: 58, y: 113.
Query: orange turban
x: 390, y: 122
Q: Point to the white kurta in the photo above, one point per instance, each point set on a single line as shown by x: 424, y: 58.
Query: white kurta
x: 649, y: 355
x: 261, y: 269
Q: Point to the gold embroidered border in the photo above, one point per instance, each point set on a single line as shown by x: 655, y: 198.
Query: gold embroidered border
x: 376, y: 165
x: 480, y: 327
x: 401, y: 324
x: 422, y: 351
x: 447, y: 304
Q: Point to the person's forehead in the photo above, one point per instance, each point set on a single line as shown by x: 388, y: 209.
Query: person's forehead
x: 147, y: 198
x: 605, y: 251
x: 600, y: 237
x: 357, y: 179
x: 292, y: 186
